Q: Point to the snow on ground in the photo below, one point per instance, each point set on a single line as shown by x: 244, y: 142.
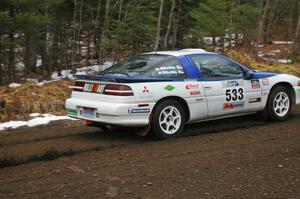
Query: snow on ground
x: 283, y: 42
x: 14, y: 85
x: 38, y: 119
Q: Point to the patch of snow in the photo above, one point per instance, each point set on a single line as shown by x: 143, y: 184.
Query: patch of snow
x: 284, y: 61
x: 33, y: 122
x: 260, y: 54
x: 70, y: 76
x: 34, y: 114
x: 283, y: 42
x: 65, y: 73
x: 275, y: 51
x: 38, y: 62
x: 80, y: 73
x: 20, y: 66
x: 46, y: 82
x: 14, y: 85
x: 32, y: 80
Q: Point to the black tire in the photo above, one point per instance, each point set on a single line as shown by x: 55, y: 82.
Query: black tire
x: 270, y: 112
x: 159, y: 130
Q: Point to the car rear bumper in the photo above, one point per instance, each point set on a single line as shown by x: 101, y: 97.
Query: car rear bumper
x: 113, y: 113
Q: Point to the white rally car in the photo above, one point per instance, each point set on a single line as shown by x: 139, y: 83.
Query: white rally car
x: 165, y: 90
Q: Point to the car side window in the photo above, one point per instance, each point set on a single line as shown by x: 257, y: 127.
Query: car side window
x: 169, y: 68
x: 217, y: 67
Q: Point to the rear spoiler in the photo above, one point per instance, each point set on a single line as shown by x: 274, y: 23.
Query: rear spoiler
x: 108, y: 78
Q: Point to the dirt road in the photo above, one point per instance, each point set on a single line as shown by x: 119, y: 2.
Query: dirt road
x: 232, y: 158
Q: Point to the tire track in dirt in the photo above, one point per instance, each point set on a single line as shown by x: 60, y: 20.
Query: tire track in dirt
x: 63, y: 139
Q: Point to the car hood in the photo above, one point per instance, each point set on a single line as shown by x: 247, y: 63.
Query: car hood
x: 263, y: 74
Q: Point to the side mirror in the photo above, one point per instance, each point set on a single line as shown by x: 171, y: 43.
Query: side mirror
x: 249, y: 74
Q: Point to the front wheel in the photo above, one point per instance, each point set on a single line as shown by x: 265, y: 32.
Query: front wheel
x: 168, y: 119
x: 279, y: 104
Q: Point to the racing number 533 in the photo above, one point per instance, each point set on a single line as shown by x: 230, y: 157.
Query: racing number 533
x: 234, y: 94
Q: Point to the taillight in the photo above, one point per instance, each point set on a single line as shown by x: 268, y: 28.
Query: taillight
x: 78, y: 86
x: 119, y: 90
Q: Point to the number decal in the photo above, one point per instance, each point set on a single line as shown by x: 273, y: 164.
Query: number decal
x: 234, y: 94
x: 228, y: 95
x: 241, y: 94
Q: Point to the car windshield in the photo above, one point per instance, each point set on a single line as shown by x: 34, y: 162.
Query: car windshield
x: 147, y: 65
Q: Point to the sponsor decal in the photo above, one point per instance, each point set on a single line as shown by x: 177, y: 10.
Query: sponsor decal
x: 193, y: 93
x: 265, y: 93
x: 96, y: 88
x: 72, y: 112
x: 254, y: 100
x: 232, y: 83
x: 199, y: 100
x: 144, y: 110
x: 255, y: 84
x: 146, y: 93
x: 146, y: 90
x: 169, y: 87
x: 233, y: 105
x: 265, y: 82
x: 192, y: 86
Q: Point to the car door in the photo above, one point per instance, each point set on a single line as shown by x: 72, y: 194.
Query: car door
x: 226, y: 90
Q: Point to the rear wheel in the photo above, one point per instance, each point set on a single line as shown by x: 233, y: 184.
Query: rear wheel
x: 279, y: 104
x: 168, y: 119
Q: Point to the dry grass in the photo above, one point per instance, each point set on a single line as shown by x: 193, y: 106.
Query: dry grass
x: 29, y: 98
x: 245, y: 59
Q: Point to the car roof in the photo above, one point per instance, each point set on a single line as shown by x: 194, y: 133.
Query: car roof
x: 188, y: 51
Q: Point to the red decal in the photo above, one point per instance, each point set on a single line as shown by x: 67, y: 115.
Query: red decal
x: 228, y: 106
x: 192, y: 86
x: 193, y: 93
x: 95, y: 88
x: 146, y: 90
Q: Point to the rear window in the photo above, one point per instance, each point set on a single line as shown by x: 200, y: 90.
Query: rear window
x: 147, y: 65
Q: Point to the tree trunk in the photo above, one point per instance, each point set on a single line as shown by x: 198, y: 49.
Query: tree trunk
x: 262, y: 22
x: 103, y: 35
x: 170, y: 23
x: 158, y: 25
x: 30, y: 54
x: 11, y: 62
x: 79, y: 28
x: 176, y: 24
x: 297, y: 34
x: 74, y: 37
x: 120, y: 10
x: 1, y: 71
x: 45, y: 57
x: 96, y: 43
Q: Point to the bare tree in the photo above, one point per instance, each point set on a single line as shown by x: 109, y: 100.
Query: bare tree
x: 262, y: 22
x: 105, y: 27
x: 297, y: 34
x: 158, y: 25
x: 169, y: 24
x: 74, y: 37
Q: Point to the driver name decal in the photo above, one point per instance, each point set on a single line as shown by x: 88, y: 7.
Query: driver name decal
x: 233, y: 83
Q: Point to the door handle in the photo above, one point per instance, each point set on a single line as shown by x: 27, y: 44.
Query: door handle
x: 207, y: 87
